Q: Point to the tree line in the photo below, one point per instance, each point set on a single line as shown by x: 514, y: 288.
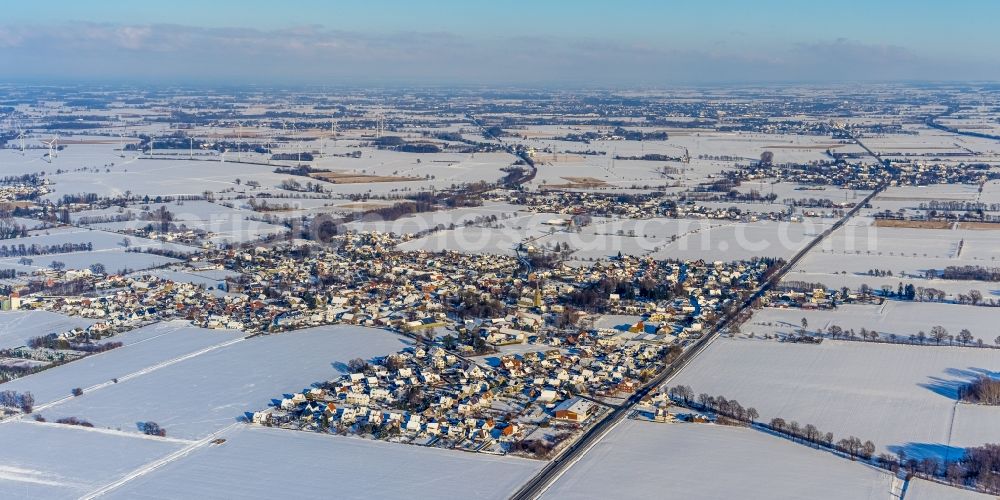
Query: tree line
x: 852, y: 446
x: 978, y: 468
x: 10, y: 229
x: 36, y: 249
x: 937, y: 335
x: 977, y: 273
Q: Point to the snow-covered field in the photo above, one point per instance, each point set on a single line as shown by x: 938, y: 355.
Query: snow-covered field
x: 17, y: 327
x: 854, y: 281
x: 265, y: 463
x: 892, y: 317
x: 114, y: 260
x: 159, y: 176
x: 743, y: 241
x: 144, y: 348
x: 789, y: 190
x: 101, y: 240
x: 622, y: 173
x: 897, y: 396
x: 650, y: 460
x: 910, y: 197
x: 227, y: 224
x: 206, y: 392
x: 424, y: 221
x: 50, y: 461
x: 859, y: 246
x: 695, y: 238
x: 502, y: 239
x: 919, y: 489
x: 173, y: 173
x: 108, y: 249
x: 206, y: 278
x: 606, y: 237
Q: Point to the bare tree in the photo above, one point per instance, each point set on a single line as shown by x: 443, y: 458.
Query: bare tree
x: 939, y: 333
x: 811, y: 433
x: 778, y: 424
x: 357, y: 365
x: 965, y: 336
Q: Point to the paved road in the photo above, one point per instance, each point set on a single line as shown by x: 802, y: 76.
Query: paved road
x: 541, y: 481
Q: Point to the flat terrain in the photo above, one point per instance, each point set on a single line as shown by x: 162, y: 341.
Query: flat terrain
x: 900, y: 318
x: 897, y: 396
x: 54, y: 461
x: 305, y: 464
x: 920, y: 489
x: 17, y: 327
x: 146, y: 348
x: 650, y: 460
x: 206, y: 392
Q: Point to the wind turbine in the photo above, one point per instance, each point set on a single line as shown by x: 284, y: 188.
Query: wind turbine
x: 379, y: 123
x: 239, y: 141
x: 51, y: 144
x: 298, y: 144
x: 121, y: 134
x: 20, y: 138
x: 269, y: 144
x: 14, y: 122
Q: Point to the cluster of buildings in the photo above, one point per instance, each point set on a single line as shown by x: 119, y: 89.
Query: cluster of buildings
x: 121, y: 303
x: 866, y: 176
x: 502, y: 358
x: 422, y: 395
x: 540, y: 374
x: 585, y: 205
x: 14, y: 194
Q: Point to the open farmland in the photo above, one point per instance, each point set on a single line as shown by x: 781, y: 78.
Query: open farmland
x: 341, y: 466
x: 212, y: 389
x: 743, y: 240
x: 421, y: 222
x: 688, y: 460
x: 922, y: 489
x: 54, y: 461
x: 17, y: 327
x: 898, y: 396
x: 146, y: 349
x: 898, y: 318
x: 223, y: 224
x: 108, y: 249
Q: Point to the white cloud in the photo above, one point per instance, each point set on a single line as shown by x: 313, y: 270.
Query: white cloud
x: 314, y: 53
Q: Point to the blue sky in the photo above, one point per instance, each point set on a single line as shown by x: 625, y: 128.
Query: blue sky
x: 580, y: 42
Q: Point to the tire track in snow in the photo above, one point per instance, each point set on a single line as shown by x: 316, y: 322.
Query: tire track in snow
x: 156, y: 464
